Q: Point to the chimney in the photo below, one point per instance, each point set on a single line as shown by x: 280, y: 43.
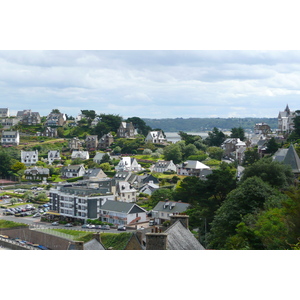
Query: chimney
x: 97, y: 236
x: 78, y: 245
x: 156, y: 240
x: 184, y: 219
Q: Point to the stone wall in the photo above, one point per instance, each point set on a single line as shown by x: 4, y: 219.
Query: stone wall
x: 50, y: 241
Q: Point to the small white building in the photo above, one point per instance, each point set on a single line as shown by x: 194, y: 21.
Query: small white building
x: 10, y: 138
x: 73, y: 171
x: 84, y: 155
x: 128, y: 164
x: 125, y: 192
x: 53, y: 155
x: 164, y: 166
x: 29, y: 157
x: 155, y: 137
x: 191, y: 168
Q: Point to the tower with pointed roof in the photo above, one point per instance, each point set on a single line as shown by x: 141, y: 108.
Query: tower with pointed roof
x: 285, y: 121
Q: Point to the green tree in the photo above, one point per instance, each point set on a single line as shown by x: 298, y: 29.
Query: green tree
x: 295, y: 135
x: 160, y: 195
x: 147, y: 152
x: 190, y: 190
x: 251, y: 156
x: 222, y: 181
x: 117, y: 149
x: 28, y: 196
x: 89, y: 114
x: 238, y: 132
x: 189, y: 138
x: 13, y: 201
x: 60, y: 132
x: 200, y: 156
x: 18, y: 166
x: 249, y: 197
x: 105, y: 167
x: 105, y: 159
x: 189, y: 150
x: 272, y: 146
x: 173, y: 152
x: 41, y: 197
x: 215, y: 153
x: 139, y: 125
x: 6, y: 163
x: 272, y: 229
x: 215, y: 138
x: 273, y: 172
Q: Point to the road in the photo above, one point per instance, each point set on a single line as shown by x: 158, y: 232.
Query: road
x: 36, y: 223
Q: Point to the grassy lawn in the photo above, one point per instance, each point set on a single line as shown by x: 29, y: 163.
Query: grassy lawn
x: 115, y: 240
x: 11, y: 224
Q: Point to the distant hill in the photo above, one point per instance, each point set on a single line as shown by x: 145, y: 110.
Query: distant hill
x: 207, y: 124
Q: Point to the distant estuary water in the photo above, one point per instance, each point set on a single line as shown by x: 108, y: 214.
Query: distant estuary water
x: 175, y: 137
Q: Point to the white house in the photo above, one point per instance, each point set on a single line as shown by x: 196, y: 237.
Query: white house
x: 29, y: 157
x: 156, y: 137
x: 128, y: 164
x: 191, y: 168
x: 164, y: 166
x: 10, y: 138
x: 125, y: 191
x: 53, y: 155
x: 122, y: 213
x: 80, y: 154
x: 285, y: 120
x: 163, y: 209
x: 73, y: 171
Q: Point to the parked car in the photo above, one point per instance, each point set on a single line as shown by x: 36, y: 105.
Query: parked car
x: 85, y: 226
x: 36, y: 215
x: 68, y: 225
x: 55, y: 224
x: 105, y: 227
x: 122, y: 228
x: 91, y: 226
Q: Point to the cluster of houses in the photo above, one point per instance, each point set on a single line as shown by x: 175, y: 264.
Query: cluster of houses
x: 113, y: 200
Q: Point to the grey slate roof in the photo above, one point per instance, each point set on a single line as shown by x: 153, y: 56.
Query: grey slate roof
x: 123, y: 207
x: 176, y: 206
x: 288, y: 157
x: 40, y: 170
x: 93, y: 245
x: 180, y: 238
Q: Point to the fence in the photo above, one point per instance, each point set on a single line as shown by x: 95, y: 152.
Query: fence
x: 12, y: 244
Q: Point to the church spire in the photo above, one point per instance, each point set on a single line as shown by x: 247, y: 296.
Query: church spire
x: 287, y: 109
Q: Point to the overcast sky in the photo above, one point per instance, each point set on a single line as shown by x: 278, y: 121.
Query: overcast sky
x: 151, y: 84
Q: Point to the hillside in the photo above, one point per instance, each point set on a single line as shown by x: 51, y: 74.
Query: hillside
x: 207, y: 124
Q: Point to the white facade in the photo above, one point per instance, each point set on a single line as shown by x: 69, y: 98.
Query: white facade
x: 191, y: 168
x: 128, y: 164
x: 73, y: 171
x: 164, y: 166
x: 156, y: 137
x: 125, y: 192
x: 53, y: 155
x: 10, y: 138
x: 80, y: 154
x: 29, y: 157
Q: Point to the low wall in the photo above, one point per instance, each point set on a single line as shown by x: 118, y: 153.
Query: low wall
x: 50, y: 241
x: 11, y: 246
